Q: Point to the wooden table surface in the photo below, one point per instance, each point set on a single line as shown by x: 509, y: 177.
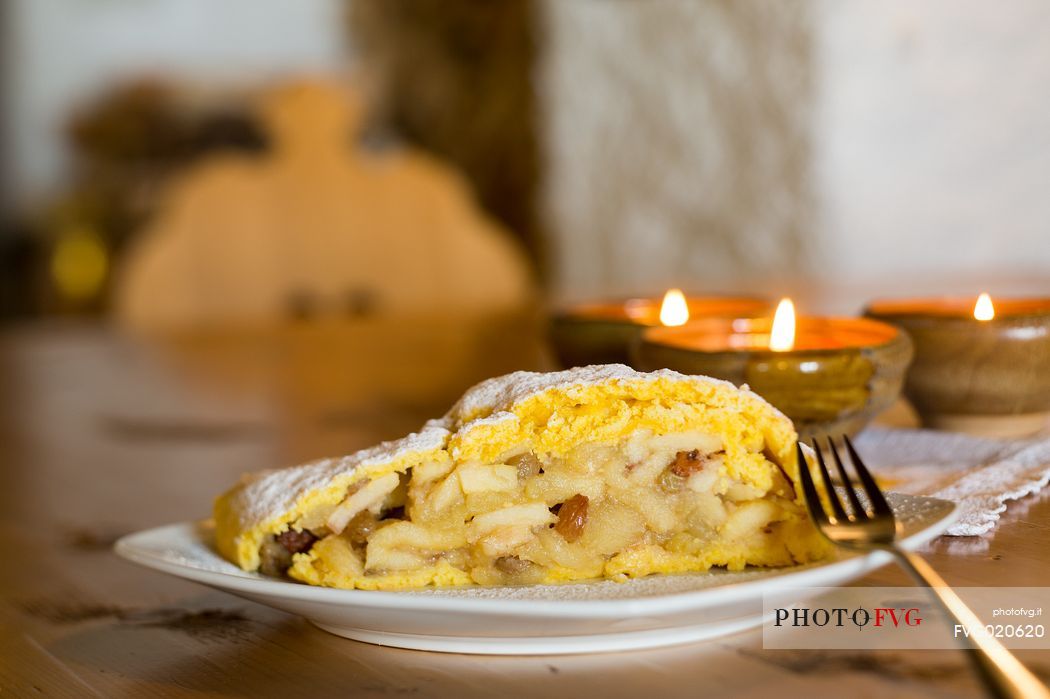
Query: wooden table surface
x: 102, y: 435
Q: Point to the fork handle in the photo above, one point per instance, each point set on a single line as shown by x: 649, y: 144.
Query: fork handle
x: 1000, y: 670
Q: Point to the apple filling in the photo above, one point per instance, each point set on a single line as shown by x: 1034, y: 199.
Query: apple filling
x: 653, y: 503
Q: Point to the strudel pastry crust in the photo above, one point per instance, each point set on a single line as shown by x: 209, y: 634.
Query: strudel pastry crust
x: 594, y: 472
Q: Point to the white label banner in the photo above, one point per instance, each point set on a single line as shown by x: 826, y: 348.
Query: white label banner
x: 900, y: 618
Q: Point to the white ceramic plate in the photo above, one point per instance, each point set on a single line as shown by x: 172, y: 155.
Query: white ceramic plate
x: 659, y: 610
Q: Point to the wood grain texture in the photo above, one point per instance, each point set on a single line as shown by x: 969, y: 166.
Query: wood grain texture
x: 192, y: 413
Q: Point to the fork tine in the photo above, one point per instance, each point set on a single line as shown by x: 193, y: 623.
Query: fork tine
x: 851, y: 493
x: 836, y: 504
x: 809, y: 490
x: 878, y: 502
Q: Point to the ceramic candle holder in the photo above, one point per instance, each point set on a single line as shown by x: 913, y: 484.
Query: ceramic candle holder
x: 840, y: 373
x: 602, y: 333
x: 989, y: 377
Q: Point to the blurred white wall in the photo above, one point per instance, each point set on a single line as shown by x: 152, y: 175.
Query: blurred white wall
x: 675, y: 142
x: 932, y: 139
x: 927, y: 136
x: 59, y: 52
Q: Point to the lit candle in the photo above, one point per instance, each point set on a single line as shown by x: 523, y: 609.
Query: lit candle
x: 674, y: 310
x: 983, y: 309
x: 782, y: 334
x: 981, y: 366
x: 829, y: 375
x: 603, y: 332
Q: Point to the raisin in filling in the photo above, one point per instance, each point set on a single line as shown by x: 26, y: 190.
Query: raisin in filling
x: 276, y: 553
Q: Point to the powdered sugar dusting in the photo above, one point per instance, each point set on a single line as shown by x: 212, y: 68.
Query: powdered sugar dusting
x: 270, y: 493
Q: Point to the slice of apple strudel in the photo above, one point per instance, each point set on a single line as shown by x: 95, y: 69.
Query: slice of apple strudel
x: 594, y: 472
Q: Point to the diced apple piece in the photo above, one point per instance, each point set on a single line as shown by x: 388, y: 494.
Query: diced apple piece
x: 686, y: 441
x: 528, y: 515
x: 372, y: 493
x: 430, y: 471
x: 552, y: 550
x: 703, y: 481
x: 504, y: 540
x: 485, y: 501
x: 591, y: 458
x: 410, y: 535
x: 558, y: 485
x: 654, y: 508
x: 748, y: 518
x: 478, y: 478
x: 646, y: 471
x: 446, y: 493
x: 396, y: 545
x: 708, y: 511
x: 636, y: 448
x: 339, y: 554
x: 739, y: 492
x: 398, y: 497
x: 380, y: 558
x: 612, y: 527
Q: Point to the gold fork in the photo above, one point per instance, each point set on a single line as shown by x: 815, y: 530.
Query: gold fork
x: 867, y: 529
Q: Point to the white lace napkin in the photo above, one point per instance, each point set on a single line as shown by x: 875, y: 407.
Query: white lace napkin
x: 980, y: 475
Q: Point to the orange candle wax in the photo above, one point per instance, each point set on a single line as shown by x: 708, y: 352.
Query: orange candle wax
x: 829, y: 375
x: 603, y: 332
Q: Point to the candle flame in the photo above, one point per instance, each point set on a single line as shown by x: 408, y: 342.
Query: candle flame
x: 674, y: 310
x: 983, y: 309
x: 782, y: 336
